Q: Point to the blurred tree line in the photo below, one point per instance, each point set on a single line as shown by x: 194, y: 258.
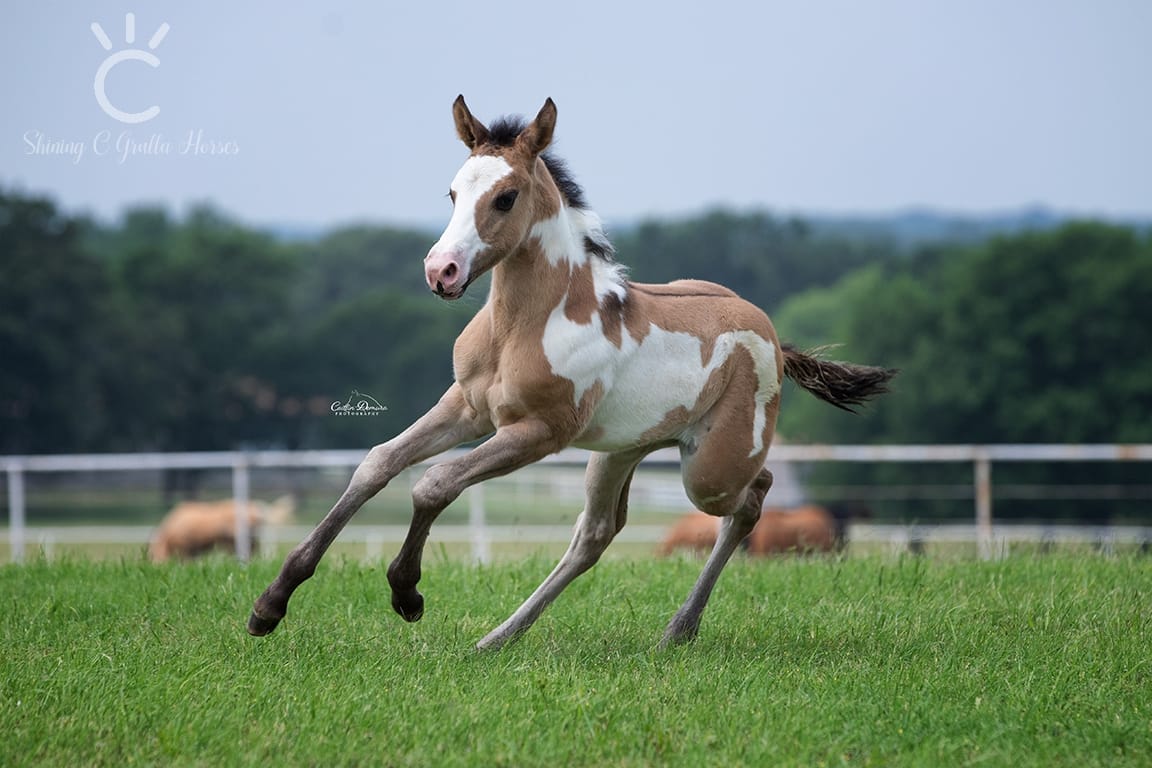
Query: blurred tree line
x: 202, y: 334
x: 1043, y: 337
x: 199, y: 333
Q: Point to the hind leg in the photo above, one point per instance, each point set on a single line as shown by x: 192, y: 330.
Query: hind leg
x: 605, y: 512
x: 722, y: 478
x: 735, y: 528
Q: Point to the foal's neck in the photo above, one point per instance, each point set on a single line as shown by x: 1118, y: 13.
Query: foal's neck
x: 535, y: 278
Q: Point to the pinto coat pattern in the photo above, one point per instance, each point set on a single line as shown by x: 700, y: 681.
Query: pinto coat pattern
x: 567, y: 351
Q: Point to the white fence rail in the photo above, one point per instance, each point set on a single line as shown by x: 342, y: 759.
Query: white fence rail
x: 374, y: 538
x: 480, y: 535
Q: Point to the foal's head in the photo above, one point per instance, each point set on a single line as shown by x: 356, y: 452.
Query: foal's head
x: 501, y: 190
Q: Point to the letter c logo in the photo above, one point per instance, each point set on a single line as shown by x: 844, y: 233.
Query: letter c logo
x: 102, y: 96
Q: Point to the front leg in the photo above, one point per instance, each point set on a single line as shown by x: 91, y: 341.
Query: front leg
x: 449, y: 423
x: 513, y: 446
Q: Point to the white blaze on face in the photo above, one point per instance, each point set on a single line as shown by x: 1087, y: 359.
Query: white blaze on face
x: 476, y: 177
x: 644, y: 381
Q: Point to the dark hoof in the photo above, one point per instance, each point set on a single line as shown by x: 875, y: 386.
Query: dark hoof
x: 410, y: 605
x: 679, y: 632
x: 258, y: 625
x: 672, y: 641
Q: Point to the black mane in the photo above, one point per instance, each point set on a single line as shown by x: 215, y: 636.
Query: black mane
x: 503, y: 133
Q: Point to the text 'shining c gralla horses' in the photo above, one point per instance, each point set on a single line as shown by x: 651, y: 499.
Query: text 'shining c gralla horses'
x: 568, y: 352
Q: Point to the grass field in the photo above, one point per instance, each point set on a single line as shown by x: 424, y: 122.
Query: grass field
x: 862, y: 661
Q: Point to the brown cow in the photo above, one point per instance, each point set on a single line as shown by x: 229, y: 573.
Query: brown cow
x: 808, y: 528
x: 195, y: 528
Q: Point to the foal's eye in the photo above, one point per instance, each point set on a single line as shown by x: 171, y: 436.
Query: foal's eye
x: 452, y: 194
x: 505, y: 201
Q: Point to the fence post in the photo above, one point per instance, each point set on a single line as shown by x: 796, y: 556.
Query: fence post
x: 983, y: 479
x: 16, y: 511
x: 240, y: 492
x: 478, y: 525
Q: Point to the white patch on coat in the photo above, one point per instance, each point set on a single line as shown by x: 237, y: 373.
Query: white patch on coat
x: 562, y: 240
x: 559, y: 238
x: 644, y: 381
x: 475, y: 178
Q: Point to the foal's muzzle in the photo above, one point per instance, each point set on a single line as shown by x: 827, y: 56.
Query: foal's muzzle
x: 445, y: 274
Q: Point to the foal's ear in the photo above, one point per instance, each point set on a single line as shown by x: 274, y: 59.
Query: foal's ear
x: 538, y: 135
x: 470, y: 130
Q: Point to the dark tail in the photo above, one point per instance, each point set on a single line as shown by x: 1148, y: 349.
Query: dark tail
x: 844, y: 385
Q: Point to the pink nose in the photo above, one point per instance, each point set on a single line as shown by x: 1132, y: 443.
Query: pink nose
x: 443, y: 273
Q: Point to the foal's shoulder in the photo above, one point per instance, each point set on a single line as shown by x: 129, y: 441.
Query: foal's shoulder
x: 473, y: 350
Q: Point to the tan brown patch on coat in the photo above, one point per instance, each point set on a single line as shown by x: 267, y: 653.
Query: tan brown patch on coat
x: 612, y: 318
x: 673, y: 423
x: 686, y: 289
x: 635, y: 322
x: 707, y: 347
x: 589, y: 401
x: 580, y: 304
x: 700, y: 308
x: 718, y: 461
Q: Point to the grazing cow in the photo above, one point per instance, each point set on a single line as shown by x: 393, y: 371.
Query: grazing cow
x: 808, y: 528
x: 195, y: 528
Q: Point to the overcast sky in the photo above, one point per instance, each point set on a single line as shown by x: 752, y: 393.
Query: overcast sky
x: 338, y: 111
